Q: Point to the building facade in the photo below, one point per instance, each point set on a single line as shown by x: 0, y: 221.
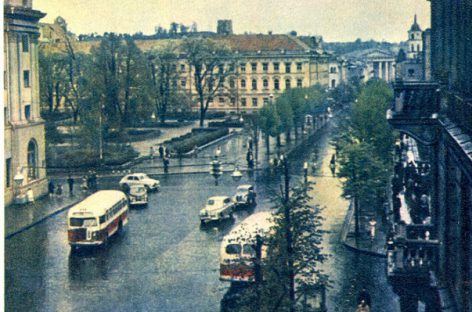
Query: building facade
x: 24, y: 129
x: 372, y: 64
x: 438, y: 115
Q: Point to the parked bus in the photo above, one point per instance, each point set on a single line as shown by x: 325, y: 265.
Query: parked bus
x: 92, y: 221
x: 237, y: 249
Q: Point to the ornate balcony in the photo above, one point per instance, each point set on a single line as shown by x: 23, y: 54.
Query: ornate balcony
x: 412, y: 252
x: 415, y: 109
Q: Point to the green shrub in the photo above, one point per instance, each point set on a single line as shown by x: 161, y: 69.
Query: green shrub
x: 187, y: 142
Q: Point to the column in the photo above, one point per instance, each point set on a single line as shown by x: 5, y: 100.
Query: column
x: 387, y: 71
x: 380, y: 70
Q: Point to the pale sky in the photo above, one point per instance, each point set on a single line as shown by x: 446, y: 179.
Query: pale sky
x: 335, y: 20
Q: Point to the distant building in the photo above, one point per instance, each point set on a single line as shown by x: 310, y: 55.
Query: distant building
x: 415, y: 41
x: 24, y: 129
x: 372, y: 64
x: 224, y: 27
x: 55, y: 32
x: 412, y: 67
x: 265, y: 65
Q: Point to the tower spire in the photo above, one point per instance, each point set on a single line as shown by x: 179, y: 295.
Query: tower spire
x: 415, y: 20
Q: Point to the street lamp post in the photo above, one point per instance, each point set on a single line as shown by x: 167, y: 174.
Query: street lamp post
x: 18, y: 179
x: 100, y: 141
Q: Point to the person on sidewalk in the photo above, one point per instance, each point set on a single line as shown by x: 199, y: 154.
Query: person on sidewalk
x: 59, y: 190
x: 70, y: 181
x: 161, y: 151
x: 166, y: 162
x: 151, y: 152
x: 51, y: 188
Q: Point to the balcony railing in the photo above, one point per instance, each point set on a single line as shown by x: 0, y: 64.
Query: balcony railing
x: 415, y: 100
x: 412, y: 251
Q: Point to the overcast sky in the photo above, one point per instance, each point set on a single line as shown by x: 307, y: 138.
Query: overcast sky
x: 335, y: 20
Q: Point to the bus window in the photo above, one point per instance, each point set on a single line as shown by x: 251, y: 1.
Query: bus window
x: 102, y: 219
x: 249, y: 249
x: 85, y: 222
x: 233, y: 249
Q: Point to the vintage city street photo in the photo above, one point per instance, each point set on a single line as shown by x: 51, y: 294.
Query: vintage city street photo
x: 237, y: 156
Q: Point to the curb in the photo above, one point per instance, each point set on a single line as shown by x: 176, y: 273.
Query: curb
x: 345, y: 232
x: 364, y: 251
x: 41, y: 220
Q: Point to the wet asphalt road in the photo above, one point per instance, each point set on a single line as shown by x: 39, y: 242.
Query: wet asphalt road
x: 165, y: 261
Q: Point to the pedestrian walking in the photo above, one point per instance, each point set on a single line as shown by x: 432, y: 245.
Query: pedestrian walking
x: 250, y: 143
x: 151, y: 152
x: 70, y: 181
x: 51, y: 189
x: 161, y: 151
x: 84, y: 185
x: 94, y: 181
x: 364, y: 296
x: 372, y: 224
x: 195, y: 151
x: 166, y: 163
x: 59, y: 190
x: 167, y: 152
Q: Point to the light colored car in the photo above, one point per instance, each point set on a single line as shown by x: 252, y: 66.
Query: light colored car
x: 139, y: 178
x: 217, y: 208
x: 245, y: 195
x: 137, y: 195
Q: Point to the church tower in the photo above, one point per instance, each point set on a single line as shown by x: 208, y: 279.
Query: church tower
x: 415, y: 41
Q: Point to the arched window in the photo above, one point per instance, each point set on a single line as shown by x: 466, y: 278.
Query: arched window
x: 265, y: 83
x: 287, y: 83
x: 243, y: 83
x: 32, y: 160
x: 276, y: 84
x: 412, y: 36
x: 418, y: 48
x: 412, y: 48
x: 254, y: 84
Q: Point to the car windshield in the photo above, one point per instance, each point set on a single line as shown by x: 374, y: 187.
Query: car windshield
x: 211, y: 202
x: 233, y: 249
x: 85, y: 222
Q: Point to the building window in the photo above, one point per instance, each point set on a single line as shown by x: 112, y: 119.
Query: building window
x: 28, y: 112
x: 26, y: 78
x: 411, y: 72
x: 266, y: 101
x: 231, y: 83
x: 25, y: 43
x: 183, y: 83
x: 243, y: 83
x: 221, y: 100
x: 32, y: 160
x: 333, y: 83
x: 287, y: 67
x: 174, y: 83
x: 287, y: 84
x: 254, y: 84
x: 418, y: 48
x: 253, y: 67
x: 276, y: 67
x: 231, y: 67
x: 276, y: 84
x: 182, y: 67
x: 265, y: 83
x: 299, y: 67
x: 412, y: 48
x: 8, y: 172
x: 332, y: 70
x: 265, y: 67
x: 243, y: 102
x: 174, y: 67
x: 232, y: 101
x: 254, y: 102
x: 243, y: 68
x: 299, y: 83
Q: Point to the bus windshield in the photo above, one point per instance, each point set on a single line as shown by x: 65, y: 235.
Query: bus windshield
x: 85, y: 222
x: 233, y: 249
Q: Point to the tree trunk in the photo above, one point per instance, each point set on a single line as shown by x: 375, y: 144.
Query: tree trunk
x: 279, y: 144
x: 287, y: 136
x: 267, y: 141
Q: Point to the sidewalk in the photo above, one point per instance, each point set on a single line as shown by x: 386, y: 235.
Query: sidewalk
x: 364, y: 243
x: 21, y: 218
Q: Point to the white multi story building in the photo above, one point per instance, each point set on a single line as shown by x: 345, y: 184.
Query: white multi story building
x: 24, y: 128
